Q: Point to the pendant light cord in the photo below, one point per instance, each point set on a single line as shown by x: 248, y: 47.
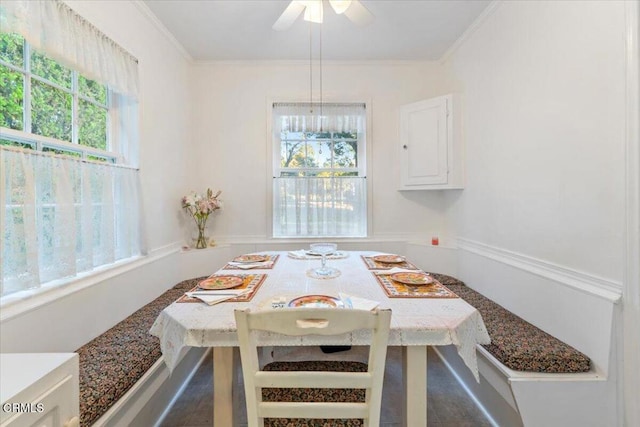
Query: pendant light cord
x: 320, y: 43
x: 310, y: 69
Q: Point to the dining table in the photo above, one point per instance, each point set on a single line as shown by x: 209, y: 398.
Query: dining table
x: 422, y: 316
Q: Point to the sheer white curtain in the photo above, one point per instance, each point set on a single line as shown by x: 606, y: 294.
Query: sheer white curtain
x: 320, y: 201
x: 63, y: 216
x: 52, y: 27
x: 320, y: 207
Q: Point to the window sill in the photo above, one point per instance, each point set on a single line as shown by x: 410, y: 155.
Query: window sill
x: 25, y: 301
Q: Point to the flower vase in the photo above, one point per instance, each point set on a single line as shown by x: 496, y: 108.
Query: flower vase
x: 201, y: 243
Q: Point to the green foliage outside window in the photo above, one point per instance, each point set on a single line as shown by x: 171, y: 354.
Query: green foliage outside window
x: 11, y: 49
x: 11, y: 98
x: 50, y: 111
x: 92, y: 90
x: 50, y: 70
x: 93, y: 125
x: 54, y: 98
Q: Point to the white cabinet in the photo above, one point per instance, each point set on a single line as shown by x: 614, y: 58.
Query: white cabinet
x: 39, y: 390
x: 430, y: 145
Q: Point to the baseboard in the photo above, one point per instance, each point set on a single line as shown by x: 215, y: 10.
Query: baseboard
x: 514, y: 398
x: 171, y: 394
x: 495, y: 406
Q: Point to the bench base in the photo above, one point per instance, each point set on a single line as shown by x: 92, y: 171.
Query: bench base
x: 513, y: 398
x: 146, y: 403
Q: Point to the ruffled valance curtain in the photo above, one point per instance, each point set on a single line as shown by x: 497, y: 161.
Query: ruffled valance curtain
x: 53, y: 28
x: 315, y: 117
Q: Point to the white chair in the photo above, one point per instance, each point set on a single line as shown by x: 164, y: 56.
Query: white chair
x: 281, y: 382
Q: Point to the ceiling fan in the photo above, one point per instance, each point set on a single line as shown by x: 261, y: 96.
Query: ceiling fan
x: 313, y: 12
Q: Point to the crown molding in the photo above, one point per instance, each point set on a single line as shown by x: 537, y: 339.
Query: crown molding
x: 305, y: 62
x: 477, y: 23
x: 142, y: 7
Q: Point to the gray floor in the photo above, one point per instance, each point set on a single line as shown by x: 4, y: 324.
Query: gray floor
x: 448, y: 404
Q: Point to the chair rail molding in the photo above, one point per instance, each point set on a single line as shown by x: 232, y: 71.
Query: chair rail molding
x: 581, y: 281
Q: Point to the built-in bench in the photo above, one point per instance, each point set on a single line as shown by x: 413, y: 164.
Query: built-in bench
x: 516, y: 343
x: 117, y: 361
x: 526, y: 367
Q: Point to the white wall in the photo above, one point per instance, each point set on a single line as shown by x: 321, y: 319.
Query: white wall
x: 230, y: 116
x: 543, y: 85
x: 166, y: 146
x: 541, y: 219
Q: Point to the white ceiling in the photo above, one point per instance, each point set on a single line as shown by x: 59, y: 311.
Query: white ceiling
x: 241, y: 29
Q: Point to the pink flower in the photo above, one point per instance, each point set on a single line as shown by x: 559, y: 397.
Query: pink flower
x: 199, y: 205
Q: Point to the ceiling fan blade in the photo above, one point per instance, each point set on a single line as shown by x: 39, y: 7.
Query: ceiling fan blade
x: 358, y: 14
x: 289, y: 16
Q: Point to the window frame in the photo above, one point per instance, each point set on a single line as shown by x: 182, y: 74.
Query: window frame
x: 364, y: 165
x: 44, y: 143
x: 360, y: 160
x: 26, y: 140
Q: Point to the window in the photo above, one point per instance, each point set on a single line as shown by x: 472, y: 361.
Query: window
x: 70, y: 191
x: 45, y: 99
x: 319, y: 170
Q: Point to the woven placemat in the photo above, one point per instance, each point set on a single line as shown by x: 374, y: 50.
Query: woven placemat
x: 395, y: 289
x: 272, y: 258
x: 377, y: 265
x: 252, y: 282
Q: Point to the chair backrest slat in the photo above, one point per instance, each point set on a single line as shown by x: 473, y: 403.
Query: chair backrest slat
x: 322, y: 379
x: 313, y: 410
x: 318, y: 321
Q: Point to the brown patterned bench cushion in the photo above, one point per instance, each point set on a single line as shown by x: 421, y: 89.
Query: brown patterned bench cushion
x: 314, y: 394
x: 113, y: 362
x: 516, y: 343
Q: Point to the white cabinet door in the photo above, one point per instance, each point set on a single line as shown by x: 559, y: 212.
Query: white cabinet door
x: 430, y: 156
x: 39, y: 390
x: 424, y: 134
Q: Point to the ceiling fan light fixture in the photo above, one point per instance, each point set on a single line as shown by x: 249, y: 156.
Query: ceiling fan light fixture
x: 340, y: 6
x: 313, y: 11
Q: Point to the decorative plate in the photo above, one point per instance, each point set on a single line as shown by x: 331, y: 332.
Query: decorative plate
x: 415, y: 279
x: 215, y: 283
x: 314, y: 253
x: 251, y: 258
x: 316, y: 301
x: 389, y: 259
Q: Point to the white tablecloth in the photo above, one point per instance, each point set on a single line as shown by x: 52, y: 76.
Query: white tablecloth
x: 414, y: 321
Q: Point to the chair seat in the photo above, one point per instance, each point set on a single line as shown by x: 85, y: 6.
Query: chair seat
x: 314, y: 394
